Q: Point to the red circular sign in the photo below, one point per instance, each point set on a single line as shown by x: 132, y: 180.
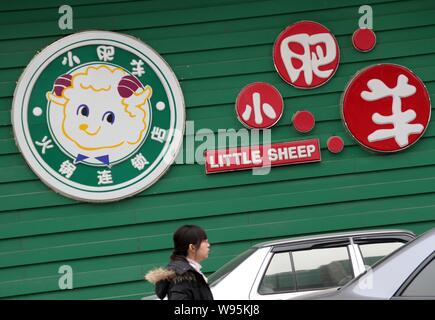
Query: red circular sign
x: 306, y: 54
x: 303, y: 121
x: 259, y: 105
x: 386, y: 108
x: 364, y: 40
x: 335, y: 144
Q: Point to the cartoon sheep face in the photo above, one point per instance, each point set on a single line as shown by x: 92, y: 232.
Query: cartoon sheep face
x: 103, y: 108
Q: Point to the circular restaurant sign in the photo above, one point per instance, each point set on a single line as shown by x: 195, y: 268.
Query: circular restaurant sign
x: 386, y: 108
x: 98, y: 116
x: 259, y: 106
x: 306, y: 55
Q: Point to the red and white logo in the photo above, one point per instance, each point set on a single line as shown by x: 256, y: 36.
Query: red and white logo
x: 306, y: 55
x: 386, y: 108
x: 271, y: 155
x: 259, y: 106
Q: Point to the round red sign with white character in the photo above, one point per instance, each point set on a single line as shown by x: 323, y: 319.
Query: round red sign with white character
x: 306, y: 54
x: 259, y: 106
x: 386, y: 108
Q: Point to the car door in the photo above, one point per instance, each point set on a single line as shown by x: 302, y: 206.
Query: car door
x: 298, y: 269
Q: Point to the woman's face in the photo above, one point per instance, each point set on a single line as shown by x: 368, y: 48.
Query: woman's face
x: 201, y: 253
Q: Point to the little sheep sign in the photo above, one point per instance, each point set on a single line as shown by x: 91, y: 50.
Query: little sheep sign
x: 99, y: 116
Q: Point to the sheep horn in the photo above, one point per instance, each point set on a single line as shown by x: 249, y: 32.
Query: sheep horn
x: 62, y: 82
x: 128, y: 85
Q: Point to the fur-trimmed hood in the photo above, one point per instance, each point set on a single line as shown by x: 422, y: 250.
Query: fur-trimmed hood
x: 159, y: 274
x: 161, y: 277
x: 174, y: 268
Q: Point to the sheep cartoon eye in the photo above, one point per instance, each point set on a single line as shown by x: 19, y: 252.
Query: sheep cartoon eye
x: 83, y: 110
x: 109, y: 116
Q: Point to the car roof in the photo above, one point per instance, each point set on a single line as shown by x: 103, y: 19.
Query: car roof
x: 331, y: 236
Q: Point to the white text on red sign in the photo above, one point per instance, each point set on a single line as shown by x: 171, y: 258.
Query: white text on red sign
x: 277, y: 154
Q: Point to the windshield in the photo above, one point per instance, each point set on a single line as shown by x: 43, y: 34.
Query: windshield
x: 223, y: 271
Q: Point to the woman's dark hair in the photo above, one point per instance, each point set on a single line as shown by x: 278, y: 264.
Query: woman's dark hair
x: 184, y: 236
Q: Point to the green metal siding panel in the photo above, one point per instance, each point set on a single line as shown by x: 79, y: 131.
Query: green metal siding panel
x: 215, y: 49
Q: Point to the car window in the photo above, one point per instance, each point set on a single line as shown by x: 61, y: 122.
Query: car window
x: 373, y: 252
x: 278, y: 277
x: 423, y: 285
x: 223, y: 271
x: 322, y: 268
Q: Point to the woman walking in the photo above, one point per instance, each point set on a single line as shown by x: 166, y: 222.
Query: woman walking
x: 182, y: 278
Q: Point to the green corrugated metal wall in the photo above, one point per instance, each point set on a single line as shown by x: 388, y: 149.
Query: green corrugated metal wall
x: 215, y: 48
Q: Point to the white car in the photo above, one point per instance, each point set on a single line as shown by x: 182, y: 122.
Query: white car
x: 294, y: 267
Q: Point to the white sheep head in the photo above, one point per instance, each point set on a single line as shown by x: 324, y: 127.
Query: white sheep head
x: 103, y: 107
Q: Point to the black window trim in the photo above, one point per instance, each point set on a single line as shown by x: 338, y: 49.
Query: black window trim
x: 404, y: 237
x: 312, y: 244
x: 398, y: 294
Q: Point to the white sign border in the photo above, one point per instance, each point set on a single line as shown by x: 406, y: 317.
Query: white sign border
x: 176, y: 134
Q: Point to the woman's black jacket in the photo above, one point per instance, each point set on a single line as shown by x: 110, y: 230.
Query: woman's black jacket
x: 179, y: 281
